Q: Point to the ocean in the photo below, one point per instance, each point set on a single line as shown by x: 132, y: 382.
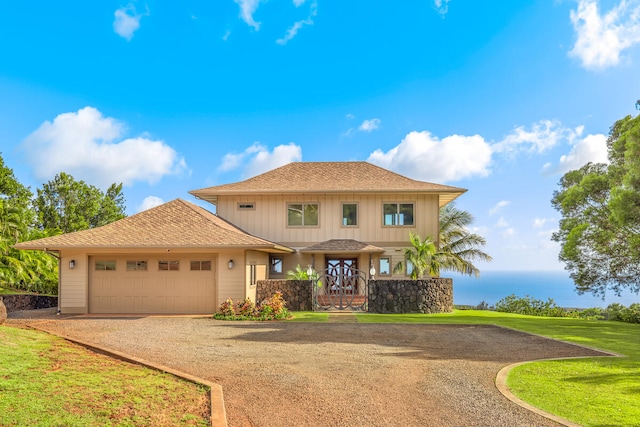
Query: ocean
x: 492, y: 286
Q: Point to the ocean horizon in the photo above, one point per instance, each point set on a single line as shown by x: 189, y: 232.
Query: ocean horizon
x: 492, y: 286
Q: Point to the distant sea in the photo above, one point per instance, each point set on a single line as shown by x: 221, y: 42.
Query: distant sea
x: 492, y: 286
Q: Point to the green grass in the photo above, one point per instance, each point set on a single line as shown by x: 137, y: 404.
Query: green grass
x: 308, y: 316
x: 45, y: 381
x: 590, y: 392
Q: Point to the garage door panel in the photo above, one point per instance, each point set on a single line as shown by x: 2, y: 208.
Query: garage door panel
x: 151, y: 291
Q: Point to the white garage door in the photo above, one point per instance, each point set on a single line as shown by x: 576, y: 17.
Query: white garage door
x: 152, y: 284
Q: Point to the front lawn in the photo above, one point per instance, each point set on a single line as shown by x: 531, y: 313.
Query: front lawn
x: 591, y: 392
x: 46, y: 381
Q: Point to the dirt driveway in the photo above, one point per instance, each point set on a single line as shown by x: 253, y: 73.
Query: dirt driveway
x: 335, y: 374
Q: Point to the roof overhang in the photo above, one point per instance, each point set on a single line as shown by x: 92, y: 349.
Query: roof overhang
x: 340, y: 246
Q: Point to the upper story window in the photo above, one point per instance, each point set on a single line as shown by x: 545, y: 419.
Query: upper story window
x: 168, y: 265
x: 244, y: 206
x: 136, y: 265
x: 275, y: 261
x: 349, y: 214
x: 397, y: 214
x: 302, y: 214
x: 105, y: 265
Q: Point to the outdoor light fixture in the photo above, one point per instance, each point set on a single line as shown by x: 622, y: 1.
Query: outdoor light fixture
x: 72, y: 264
x: 309, y: 272
x: 230, y: 264
x: 372, y: 272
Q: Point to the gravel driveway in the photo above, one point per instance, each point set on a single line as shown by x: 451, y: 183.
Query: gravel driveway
x: 338, y: 374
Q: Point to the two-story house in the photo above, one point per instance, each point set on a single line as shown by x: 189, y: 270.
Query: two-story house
x: 181, y: 258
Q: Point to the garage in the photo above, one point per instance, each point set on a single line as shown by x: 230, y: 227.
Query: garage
x: 152, y: 284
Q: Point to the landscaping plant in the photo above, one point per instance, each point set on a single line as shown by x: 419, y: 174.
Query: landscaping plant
x: 273, y: 308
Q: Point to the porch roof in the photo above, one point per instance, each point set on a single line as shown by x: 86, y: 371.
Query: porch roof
x: 342, y: 246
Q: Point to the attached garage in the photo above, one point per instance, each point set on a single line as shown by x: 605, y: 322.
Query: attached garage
x: 151, y: 284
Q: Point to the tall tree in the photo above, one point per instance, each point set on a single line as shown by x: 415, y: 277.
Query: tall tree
x: 69, y: 205
x: 457, y: 250
x: 600, y: 207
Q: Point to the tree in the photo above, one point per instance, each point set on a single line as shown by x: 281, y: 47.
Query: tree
x: 21, y: 269
x: 68, y: 205
x: 460, y: 247
x: 457, y: 250
x: 599, y: 230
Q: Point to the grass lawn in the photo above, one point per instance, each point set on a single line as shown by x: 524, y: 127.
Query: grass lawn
x: 590, y: 392
x: 46, y: 381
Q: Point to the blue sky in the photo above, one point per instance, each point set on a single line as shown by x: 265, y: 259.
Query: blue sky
x: 167, y: 97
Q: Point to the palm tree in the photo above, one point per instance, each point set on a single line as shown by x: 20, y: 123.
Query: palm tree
x: 458, y: 246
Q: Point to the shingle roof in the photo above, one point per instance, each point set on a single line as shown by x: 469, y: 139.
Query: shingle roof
x: 342, y: 245
x: 174, y: 224
x: 329, y: 177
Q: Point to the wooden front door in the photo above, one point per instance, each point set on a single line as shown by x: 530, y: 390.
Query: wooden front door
x: 342, y: 270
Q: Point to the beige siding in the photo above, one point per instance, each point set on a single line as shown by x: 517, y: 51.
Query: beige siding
x: 261, y: 261
x: 73, y: 283
x: 231, y: 282
x: 268, y: 219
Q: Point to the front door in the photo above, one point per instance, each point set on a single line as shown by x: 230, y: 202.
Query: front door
x: 342, y: 270
x: 341, y: 286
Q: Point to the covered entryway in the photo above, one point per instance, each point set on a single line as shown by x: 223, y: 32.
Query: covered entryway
x: 340, y: 287
x: 145, y: 283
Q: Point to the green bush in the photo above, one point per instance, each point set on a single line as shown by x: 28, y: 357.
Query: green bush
x: 529, y: 306
x: 619, y: 313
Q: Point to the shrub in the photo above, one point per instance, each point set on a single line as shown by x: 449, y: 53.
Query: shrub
x: 529, y: 306
x: 620, y: 313
x: 270, y: 309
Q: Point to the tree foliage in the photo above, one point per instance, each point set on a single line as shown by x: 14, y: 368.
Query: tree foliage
x: 68, y: 205
x: 457, y: 251
x: 600, y: 207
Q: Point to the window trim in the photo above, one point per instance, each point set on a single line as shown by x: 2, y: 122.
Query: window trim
x: 271, y: 264
x: 170, y: 265
x: 396, y: 215
x: 106, y: 263
x: 253, y: 274
x: 200, y: 264
x: 137, y: 263
x: 303, y: 208
x: 342, y: 224
x: 246, y: 206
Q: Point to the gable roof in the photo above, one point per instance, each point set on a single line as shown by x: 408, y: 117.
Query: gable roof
x: 174, y: 224
x: 328, y: 177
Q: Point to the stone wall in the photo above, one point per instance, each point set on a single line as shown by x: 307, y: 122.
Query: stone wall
x: 427, y: 296
x: 28, y: 302
x: 297, y: 293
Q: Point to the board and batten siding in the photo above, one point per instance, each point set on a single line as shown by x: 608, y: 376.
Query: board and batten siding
x: 268, y: 219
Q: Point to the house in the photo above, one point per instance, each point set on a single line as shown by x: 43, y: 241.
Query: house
x: 181, y: 258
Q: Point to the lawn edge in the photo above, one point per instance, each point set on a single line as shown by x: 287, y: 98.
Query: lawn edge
x: 218, y: 415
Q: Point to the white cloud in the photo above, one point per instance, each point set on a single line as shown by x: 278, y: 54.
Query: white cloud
x: 150, y: 202
x: 423, y: 156
x: 247, y: 9
x: 502, y: 223
x: 127, y: 21
x: 593, y: 148
x: 298, y: 3
x: 501, y: 204
x: 370, y: 125
x: 88, y: 146
x: 293, y: 30
x: 226, y: 35
x: 540, y: 222
x: 442, y: 6
x: 542, y: 136
x: 602, y: 38
x: 509, y: 232
x: 258, y: 159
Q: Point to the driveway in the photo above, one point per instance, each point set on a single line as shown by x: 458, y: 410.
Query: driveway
x: 337, y: 374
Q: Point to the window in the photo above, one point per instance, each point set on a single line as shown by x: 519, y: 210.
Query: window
x: 200, y: 265
x: 397, y: 213
x: 168, y: 265
x: 385, y: 266
x: 349, y: 214
x: 302, y: 214
x: 276, y: 264
x: 103, y: 265
x: 136, y: 265
x: 409, y: 268
x: 253, y: 274
x: 246, y: 206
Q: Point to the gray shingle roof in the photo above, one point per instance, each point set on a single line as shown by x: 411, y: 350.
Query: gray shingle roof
x: 342, y: 245
x: 329, y: 177
x: 174, y: 224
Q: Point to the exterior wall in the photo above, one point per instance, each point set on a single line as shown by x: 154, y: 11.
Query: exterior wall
x: 261, y: 261
x: 74, y: 284
x: 428, y: 296
x: 269, y: 218
x: 28, y: 302
x: 231, y: 282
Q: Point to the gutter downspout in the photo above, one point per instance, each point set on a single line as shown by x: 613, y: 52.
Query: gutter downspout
x: 59, y: 275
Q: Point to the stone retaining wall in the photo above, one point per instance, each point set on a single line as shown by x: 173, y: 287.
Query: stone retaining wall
x: 297, y: 293
x: 28, y: 302
x: 427, y: 296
